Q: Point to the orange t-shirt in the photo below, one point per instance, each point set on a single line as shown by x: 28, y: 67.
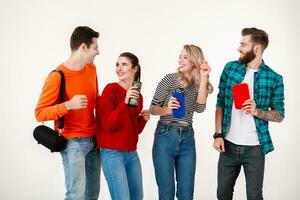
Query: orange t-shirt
x: 78, y: 123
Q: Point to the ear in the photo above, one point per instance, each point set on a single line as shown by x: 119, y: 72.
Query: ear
x: 135, y: 68
x: 83, y: 46
x: 258, y: 48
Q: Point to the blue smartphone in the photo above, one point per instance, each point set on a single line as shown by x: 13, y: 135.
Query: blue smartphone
x: 180, y: 112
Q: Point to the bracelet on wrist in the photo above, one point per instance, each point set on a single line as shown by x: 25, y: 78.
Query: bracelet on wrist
x: 218, y: 135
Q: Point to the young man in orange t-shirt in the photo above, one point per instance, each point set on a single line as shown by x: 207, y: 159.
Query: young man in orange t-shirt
x: 81, y: 160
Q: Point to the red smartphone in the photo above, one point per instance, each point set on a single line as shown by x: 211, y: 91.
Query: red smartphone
x: 240, y: 94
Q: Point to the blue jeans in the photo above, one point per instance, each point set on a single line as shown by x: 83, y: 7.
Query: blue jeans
x: 229, y: 166
x: 123, y: 173
x: 81, y: 163
x: 174, y: 150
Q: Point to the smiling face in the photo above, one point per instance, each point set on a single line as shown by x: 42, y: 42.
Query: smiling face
x: 91, y: 52
x: 125, y: 70
x: 246, y: 49
x: 185, y: 65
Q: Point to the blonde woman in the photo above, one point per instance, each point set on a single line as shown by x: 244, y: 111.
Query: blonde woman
x: 174, y: 144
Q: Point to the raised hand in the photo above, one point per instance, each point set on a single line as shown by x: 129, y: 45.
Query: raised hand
x: 250, y: 107
x: 173, y: 103
x: 205, y: 68
x: 131, y: 93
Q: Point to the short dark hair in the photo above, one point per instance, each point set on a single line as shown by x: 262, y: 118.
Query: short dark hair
x: 135, y: 63
x: 82, y: 34
x: 257, y: 36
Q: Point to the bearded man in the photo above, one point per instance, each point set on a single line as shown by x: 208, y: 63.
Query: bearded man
x: 242, y: 135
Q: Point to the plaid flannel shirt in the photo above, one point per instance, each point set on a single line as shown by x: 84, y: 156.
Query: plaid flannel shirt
x: 268, y: 94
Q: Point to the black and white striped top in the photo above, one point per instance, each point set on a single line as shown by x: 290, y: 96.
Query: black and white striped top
x: 164, y: 90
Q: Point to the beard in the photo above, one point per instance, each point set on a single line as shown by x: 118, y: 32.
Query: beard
x: 247, y: 57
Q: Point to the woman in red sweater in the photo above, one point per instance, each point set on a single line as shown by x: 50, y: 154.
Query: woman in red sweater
x: 119, y: 127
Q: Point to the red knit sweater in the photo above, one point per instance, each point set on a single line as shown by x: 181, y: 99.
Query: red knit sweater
x: 118, y: 125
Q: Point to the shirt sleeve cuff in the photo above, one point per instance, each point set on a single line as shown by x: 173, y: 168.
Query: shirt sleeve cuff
x: 62, y: 109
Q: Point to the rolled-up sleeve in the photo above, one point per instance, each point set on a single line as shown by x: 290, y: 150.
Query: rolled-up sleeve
x: 200, y: 107
x: 162, y: 91
x: 277, y: 97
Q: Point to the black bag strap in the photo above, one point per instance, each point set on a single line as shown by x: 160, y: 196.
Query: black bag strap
x: 62, y: 97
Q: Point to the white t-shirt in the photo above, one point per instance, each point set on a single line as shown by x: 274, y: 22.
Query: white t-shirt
x: 242, y: 130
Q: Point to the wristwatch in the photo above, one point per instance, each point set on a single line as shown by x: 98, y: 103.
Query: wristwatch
x: 218, y: 135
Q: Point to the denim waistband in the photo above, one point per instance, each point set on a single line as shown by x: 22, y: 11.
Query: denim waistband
x: 238, y: 145
x: 175, y: 123
x: 91, y: 138
x: 180, y: 127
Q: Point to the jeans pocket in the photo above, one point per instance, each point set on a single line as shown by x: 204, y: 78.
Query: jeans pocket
x: 160, y: 130
x: 191, y: 132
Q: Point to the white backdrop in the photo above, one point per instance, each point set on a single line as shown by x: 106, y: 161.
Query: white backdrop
x: 35, y: 39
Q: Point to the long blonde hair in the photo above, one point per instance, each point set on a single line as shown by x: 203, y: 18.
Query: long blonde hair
x: 196, y: 57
